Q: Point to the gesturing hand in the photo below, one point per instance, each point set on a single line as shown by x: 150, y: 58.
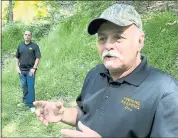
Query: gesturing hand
x: 84, y: 132
x: 49, y: 112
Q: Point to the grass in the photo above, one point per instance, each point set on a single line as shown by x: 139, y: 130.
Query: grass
x: 161, y: 42
x: 68, y: 52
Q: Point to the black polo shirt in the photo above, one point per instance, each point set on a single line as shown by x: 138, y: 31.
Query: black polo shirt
x: 27, y: 55
x: 142, y: 104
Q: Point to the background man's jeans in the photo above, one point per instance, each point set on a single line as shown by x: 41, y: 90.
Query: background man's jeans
x: 27, y: 83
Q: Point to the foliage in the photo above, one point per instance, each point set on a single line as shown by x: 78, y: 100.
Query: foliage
x: 30, y: 9
x: 11, y: 35
x: 5, y: 15
x: 161, y: 41
x: 85, y: 10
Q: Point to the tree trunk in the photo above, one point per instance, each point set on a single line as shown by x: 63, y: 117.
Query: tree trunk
x: 10, y: 11
x: 166, y: 7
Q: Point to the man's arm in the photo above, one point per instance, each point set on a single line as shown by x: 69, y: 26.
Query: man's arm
x: 32, y: 71
x: 70, y: 115
x: 17, y: 55
x: 36, y: 63
x: 38, y: 56
x: 17, y: 65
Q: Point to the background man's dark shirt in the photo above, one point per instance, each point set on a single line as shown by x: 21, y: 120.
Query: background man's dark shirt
x: 27, y: 55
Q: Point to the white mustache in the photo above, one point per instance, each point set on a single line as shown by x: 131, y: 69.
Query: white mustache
x: 110, y: 53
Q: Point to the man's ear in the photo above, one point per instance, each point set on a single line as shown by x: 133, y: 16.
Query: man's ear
x: 141, y: 41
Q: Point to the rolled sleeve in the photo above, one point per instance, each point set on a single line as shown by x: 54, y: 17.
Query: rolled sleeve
x: 37, y: 52
x: 166, y: 118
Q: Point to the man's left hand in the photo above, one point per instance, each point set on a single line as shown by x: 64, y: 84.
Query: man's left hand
x: 32, y: 72
x: 84, y: 132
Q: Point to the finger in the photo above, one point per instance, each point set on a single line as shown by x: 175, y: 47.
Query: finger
x: 41, y: 118
x: 38, y: 117
x: 37, y: 103
x: 30, y: 73
x: 72, y: 133
x: 33, y: 73
x: 46, y: 111
x: 56, y: 111
x: 40, y: 103
x: 45, y: 122
x: 37, y: 112
x: 43, y: 104
x: 59, y: 105
x: 41, y: 110
x: 82, y: 127
x: 61, y: 111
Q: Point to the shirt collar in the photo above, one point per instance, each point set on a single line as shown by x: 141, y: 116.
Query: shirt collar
x: 27, y: 44
x: 136, y: 77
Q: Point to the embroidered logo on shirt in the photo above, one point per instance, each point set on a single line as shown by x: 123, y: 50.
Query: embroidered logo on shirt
x: 131, y: 103
x: 30, y: 48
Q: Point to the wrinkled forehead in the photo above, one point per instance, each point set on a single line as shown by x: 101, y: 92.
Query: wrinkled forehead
x: 27, y: 33
x: 108, y: 27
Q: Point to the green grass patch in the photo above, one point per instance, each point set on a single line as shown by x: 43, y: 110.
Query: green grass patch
x: 162, y: 41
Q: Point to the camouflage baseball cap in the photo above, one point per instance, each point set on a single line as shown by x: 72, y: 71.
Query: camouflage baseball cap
x: 119, y: 14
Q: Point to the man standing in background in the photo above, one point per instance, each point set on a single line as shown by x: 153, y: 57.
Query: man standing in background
x: 28, y: 57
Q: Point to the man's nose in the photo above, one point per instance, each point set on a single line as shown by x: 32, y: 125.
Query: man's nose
x: 109, y: 45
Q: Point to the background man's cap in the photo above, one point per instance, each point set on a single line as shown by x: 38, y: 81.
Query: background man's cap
x: 119, y: 14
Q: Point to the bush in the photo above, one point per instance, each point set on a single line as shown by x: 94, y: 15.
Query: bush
x: 11, y: 35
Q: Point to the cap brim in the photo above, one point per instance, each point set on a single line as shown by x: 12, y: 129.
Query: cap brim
x: 94, y: 25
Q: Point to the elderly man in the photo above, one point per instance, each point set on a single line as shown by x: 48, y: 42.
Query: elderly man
x: 124, y: 96
x: 28, y: 57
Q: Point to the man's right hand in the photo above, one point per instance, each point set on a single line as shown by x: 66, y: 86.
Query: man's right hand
x: 18, y: 70
x: 49, y: 112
